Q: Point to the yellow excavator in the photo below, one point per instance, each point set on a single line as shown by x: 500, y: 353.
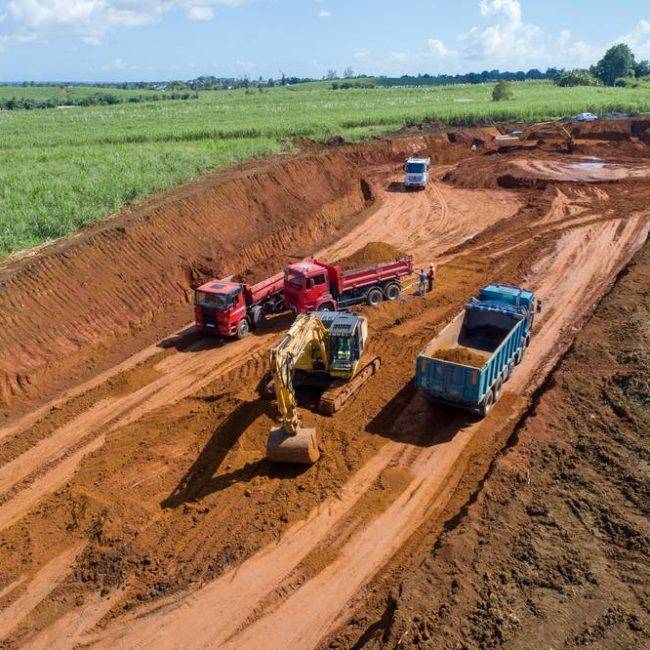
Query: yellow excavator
x: 322, y: 349
x: 518, y: 137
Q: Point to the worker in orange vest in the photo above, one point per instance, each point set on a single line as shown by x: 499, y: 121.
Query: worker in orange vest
x: 431, y: 276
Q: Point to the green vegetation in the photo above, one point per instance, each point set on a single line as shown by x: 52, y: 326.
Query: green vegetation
x: 63, y: 168
x: 618, y: 63
x: 572, y: 78
x: 502, y: 91
x: 33, y: 97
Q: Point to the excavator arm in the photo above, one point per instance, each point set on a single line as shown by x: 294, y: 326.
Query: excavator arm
x: 558, y: 127
x: 304, y: 346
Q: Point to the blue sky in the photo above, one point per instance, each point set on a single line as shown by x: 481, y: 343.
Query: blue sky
x: 178, y: 39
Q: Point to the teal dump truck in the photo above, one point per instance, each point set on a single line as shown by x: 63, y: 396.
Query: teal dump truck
x: 467, y: 364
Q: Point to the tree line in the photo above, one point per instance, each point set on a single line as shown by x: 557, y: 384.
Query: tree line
x: 94, y: 99
x: 618, y: 67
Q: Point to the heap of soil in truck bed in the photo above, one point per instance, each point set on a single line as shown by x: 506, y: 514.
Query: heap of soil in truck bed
x: 463, y: 356
x: 374, y: 252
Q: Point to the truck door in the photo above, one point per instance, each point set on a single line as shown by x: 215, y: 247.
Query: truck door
x: 318, y: 290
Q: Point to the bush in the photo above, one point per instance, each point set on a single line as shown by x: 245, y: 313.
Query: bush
x: 572, y: 78
x: 621, y: 82
x: 501, y: 92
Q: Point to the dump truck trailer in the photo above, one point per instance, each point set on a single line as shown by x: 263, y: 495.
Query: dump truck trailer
x: 467, y: 364
x: 313, y: 285
x: 232, y: 308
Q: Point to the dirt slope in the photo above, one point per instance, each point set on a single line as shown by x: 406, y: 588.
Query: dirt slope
x: 136, y: 506
x: 554, y: 550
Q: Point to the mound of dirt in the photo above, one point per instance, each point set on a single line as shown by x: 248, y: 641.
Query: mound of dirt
x: 463, y: 356
x: 374, y: 252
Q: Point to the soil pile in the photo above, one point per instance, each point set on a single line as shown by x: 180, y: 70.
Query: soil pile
x: 461, y: 355
x: 372, y: 253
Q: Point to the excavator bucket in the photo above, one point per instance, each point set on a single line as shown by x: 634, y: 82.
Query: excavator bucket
x: 299, y: 449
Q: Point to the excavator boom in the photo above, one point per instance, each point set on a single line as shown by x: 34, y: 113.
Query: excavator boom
x: 305, y: 342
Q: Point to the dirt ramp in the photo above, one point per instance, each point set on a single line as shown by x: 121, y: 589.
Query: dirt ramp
x: 121, y: 272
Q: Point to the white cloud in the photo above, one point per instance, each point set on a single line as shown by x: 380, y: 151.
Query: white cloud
x: 200, y: 13
x: 438, y: 47
x: 323, y: 13
x: 638, y: 40
x: 91, y: 20
x: 362, y: 55
x: 502, y: 38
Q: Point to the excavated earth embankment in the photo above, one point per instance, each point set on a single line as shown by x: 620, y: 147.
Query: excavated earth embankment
x: 121, y: 273
x: 137, y: 508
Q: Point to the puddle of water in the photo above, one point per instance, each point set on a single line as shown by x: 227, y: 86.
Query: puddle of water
x: 586, y: 165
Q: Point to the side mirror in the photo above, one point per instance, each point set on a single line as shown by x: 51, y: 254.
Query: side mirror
x: 539, y: 306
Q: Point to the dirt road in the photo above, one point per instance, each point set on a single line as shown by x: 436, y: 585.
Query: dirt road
x: 148, y: 480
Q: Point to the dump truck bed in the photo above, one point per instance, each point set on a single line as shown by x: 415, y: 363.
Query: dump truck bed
x: 461, y: 365
x: 374, y: 274
x: 257, y: 292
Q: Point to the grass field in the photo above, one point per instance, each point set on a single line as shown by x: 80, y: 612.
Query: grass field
x: 63, y: 168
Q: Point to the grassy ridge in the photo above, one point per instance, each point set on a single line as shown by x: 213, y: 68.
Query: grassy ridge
x: 65, y: 168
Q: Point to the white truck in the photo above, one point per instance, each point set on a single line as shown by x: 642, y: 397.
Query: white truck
x: 416, y: 173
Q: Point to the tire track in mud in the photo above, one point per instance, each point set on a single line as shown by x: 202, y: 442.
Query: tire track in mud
x: 181, y: 375
x: 321, y: 599
x: 45, y: 580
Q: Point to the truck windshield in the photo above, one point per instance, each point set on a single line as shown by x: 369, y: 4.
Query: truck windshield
x: 218, y: 301
x: 415, y: 168
x: 294, y: 279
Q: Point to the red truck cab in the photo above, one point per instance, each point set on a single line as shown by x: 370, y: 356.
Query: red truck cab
x: 232, y: 309
x: 219, y: 307
x: 307, y: 288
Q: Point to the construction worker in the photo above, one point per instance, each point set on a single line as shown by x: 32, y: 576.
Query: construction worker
x: 422, y: 282
x: 431, y: 276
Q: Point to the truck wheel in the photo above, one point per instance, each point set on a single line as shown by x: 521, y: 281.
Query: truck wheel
x: 242, y: 329
x: 392, y: 291
x: 257, y: 317
x: 374, y: 297
x: 507, y: 373
x: 487, y: 403
x: 527, y: 341
x: 498, y: 387
x: 327, y: 306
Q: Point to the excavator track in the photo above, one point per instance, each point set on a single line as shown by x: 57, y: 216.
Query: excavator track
x: 333, y: 399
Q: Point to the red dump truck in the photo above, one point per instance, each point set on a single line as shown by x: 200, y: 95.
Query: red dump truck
x: 313, y: 285
x: 232, y: 309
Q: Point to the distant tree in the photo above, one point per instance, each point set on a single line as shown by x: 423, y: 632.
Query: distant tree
x: 331, y: 74
x: 534, y: 74
x: 501, y: 91
x: 572, y: 78
x: 348, y: 73
x: 617, y: 62
x: 642, y: 69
